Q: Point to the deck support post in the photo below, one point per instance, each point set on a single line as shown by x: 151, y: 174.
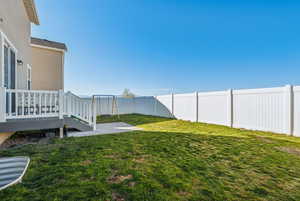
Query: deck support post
x: 61, y: 132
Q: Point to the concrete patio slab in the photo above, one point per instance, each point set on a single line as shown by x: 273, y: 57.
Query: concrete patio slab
x: 106, y: 128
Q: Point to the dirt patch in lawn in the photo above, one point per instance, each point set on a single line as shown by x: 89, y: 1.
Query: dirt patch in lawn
x: 290, y: 150
x: 264, y: 139
x: 117, y: 179
x: 86, y: 163
x: 139, y: 160
x: 183, y: 194
x: 111, y: 156
x: 117, y: 197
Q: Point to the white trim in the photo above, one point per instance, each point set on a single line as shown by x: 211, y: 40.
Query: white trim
x: 2, y: 59
x: 32, y: 91
x: 48, y: 48
x: 8, y: 41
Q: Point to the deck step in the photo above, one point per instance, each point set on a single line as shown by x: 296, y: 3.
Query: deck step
x: 77, y: 124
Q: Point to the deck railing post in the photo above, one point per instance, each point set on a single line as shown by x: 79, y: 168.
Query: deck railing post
x: 2, y: 104
x: 61, y: 103
x: 69, y: 103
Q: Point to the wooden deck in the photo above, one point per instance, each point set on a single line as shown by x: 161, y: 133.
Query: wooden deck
x: 15, y: 125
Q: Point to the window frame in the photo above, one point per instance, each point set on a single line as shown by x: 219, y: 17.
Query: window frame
x: 6, y: 42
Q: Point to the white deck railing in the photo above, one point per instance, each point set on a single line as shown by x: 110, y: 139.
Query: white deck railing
x: 20, y: 104
x: 78, y: 107
x: 26, y: 104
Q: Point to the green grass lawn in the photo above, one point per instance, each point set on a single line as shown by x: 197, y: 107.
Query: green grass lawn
x: 168, y: 160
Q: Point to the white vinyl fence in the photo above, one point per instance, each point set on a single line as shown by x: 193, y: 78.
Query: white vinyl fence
x: 296, y: 114
x: 147, y: 105
x: 214, y: 107
x: 269, y: 109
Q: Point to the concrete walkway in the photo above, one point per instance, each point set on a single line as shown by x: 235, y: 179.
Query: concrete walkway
x: 106, y: 128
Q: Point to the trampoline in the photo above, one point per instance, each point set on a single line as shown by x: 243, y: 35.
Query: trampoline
x: 12, y: 170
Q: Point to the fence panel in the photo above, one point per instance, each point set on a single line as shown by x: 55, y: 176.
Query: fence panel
x: 297, y: 111
x: 144, y: 105
x: 260, y: 109
x: 185, y: 106
x: 104, y: 105
x: 164, y: 106
x: 213, y: 107
x: 125, y: 105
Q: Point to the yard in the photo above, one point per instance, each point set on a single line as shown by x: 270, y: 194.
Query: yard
x: 168, y: 160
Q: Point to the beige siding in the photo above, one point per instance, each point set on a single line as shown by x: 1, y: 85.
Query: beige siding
x: 16, y: 26
x: 47, y: 69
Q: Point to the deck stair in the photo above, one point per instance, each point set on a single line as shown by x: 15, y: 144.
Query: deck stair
x: 72, y: 122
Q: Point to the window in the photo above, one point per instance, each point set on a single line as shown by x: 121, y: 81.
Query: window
x: 29, y: 82
x: 9, y: 71
x: 9, y: 67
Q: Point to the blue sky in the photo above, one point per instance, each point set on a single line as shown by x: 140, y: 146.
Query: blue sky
x: 158, y: 46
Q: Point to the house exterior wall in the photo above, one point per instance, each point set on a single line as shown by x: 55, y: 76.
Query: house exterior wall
x: 47, y: 69
x: 15, y: 25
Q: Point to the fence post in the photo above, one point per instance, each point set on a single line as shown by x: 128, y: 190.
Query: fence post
x: 61, y: 103
x: 172, y: 101
x: 230, y: 107
x: 155, y: 106
x: 197, y: 100
x: 94, y: 113
x: 289, y: 109
x: 2, y: 104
